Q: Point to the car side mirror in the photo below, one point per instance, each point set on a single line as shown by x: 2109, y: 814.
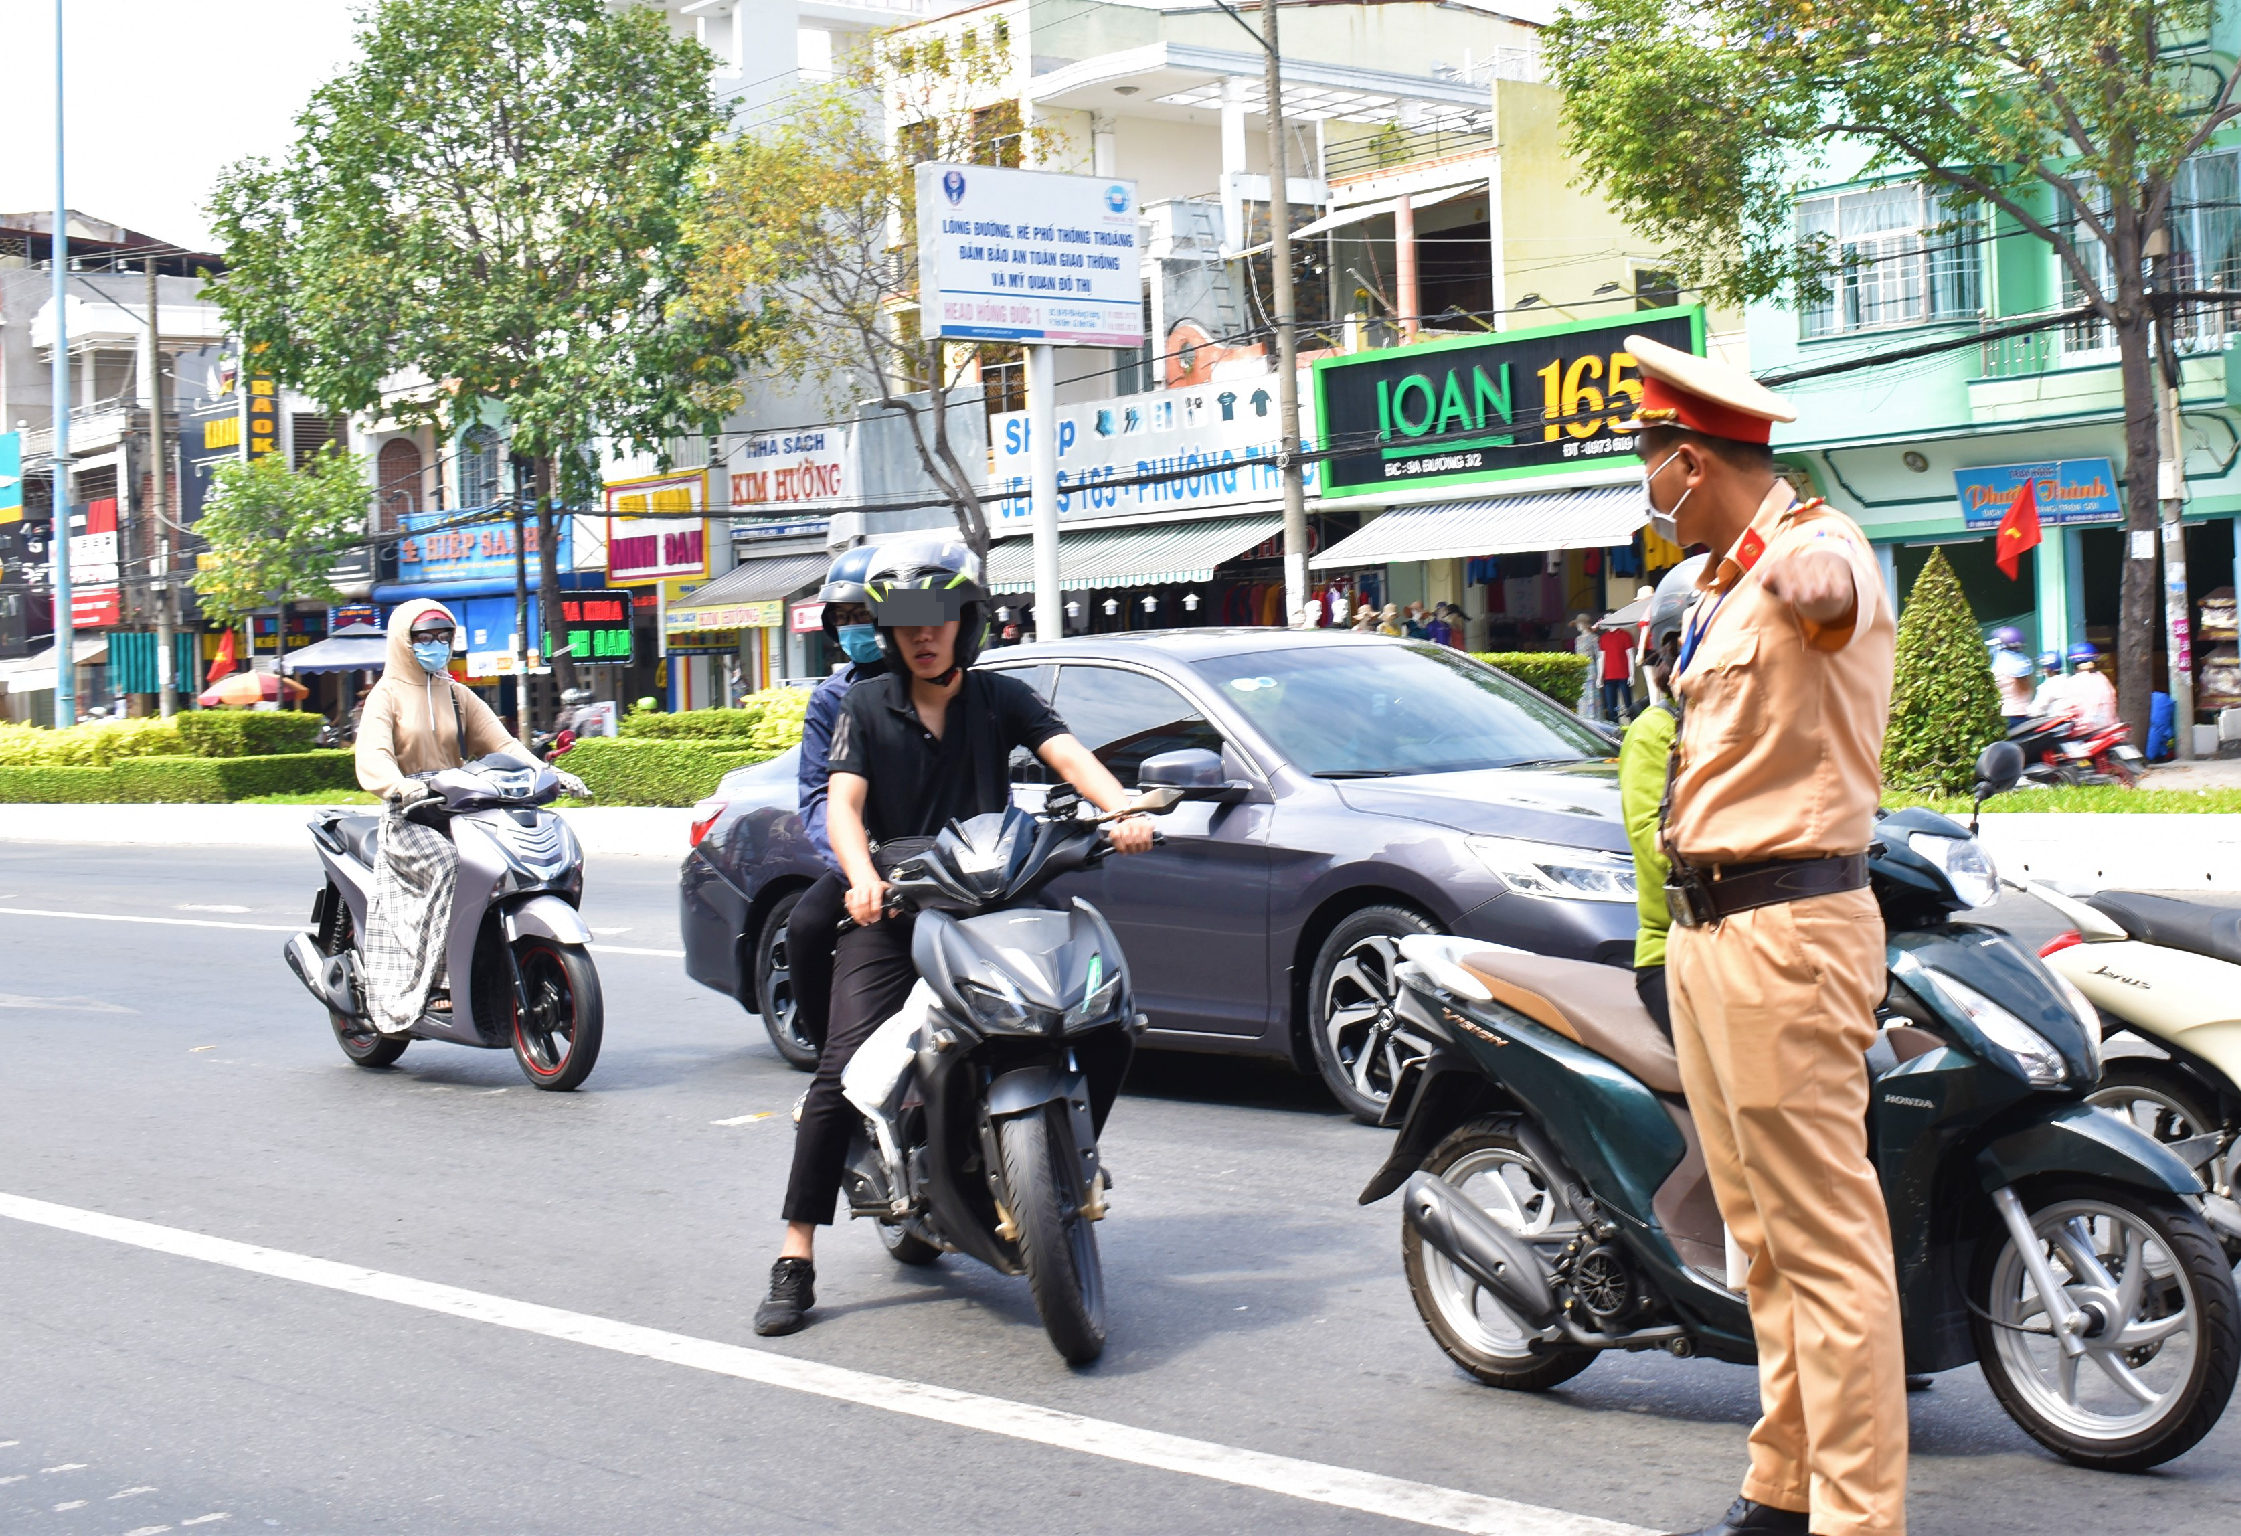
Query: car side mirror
x: 1195, y: 772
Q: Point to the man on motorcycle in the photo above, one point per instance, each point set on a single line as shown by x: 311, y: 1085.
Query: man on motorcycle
x: 928, y: 742
x: 814, y: 925
x: 2011, y: 674
x: 1642, y: 772
x: 2089, y: 697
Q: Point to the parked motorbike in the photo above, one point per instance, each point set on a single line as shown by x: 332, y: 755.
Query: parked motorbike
x: 2169, y: 971
x: 1557, y: 1203
x: 2057, y: 751
x: 983, y: 1098
x: 520, y: 975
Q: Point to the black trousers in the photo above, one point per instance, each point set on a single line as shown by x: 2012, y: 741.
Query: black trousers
x: 872, y: 974
x: 1649, y: 986
x: 810, y: 931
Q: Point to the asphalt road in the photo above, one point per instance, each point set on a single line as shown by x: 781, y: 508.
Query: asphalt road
x: 179, y: 1076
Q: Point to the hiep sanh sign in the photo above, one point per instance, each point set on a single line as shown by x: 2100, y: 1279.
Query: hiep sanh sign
x: 1028, y: 256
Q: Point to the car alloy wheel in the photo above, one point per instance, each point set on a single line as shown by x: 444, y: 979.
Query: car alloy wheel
x: 1361, y: 1042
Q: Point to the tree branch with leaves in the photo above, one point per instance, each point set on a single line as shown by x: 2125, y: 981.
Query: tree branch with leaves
x: 274, y: 534
x: 2071, y: 120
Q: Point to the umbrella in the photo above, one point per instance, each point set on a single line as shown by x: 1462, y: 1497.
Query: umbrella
x: 251, y: 688
x: 352, y: 648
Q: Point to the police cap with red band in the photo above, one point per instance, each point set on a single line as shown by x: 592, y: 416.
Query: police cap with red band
x: 1700, y: 394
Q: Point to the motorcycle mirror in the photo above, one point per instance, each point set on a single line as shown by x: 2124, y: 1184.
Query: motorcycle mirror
x: 1998, y: 766
x: 1152, y: 802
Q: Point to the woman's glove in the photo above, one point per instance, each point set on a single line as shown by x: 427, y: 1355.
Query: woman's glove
x: 570, y: 785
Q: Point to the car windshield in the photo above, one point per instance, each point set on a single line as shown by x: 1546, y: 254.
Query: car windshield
x: 1372, y: 711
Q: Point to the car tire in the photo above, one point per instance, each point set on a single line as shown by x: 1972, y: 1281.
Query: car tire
x: 773, y: 988
x: 1352, y: 983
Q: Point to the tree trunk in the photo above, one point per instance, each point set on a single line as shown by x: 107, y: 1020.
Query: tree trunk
x: 2135, y: 659
x: 548, y: 578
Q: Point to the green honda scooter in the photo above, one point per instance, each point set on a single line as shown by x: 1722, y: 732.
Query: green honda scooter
x: 1557, y: 1204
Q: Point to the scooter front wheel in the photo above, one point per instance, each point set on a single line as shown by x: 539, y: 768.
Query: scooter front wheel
x: 2155, y: 1312
x: 1056, y: 1241
x: 557, y: 1040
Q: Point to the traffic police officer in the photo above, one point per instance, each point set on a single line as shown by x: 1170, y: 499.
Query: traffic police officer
x: 1775, y: 961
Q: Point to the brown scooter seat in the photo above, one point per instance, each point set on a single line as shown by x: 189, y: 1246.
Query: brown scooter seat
x: 1595, y: 1005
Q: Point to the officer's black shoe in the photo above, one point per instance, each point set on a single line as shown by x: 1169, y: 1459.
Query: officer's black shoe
x: 793, y: 1291
x: 1745, y: 1518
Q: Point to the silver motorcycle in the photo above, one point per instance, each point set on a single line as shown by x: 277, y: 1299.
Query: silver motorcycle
x: 521, y: 976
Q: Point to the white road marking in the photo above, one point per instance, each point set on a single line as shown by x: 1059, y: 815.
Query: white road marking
x: 68, y: 1466
x: 202, y: 1520
x: 148, y: 1530
x: 207, y: 922
x: 4, y: 1481
x: 624, y: 929
x: 1447, y: 1509
x: 209, y: 906
x: 72, y: 1504
x: 746, y: 1119
x: 126, y: 1493
x: 62, y: 1004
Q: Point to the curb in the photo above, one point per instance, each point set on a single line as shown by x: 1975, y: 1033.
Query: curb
x: 629, y: 831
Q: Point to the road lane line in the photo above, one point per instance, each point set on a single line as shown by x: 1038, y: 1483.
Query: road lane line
x: 206, y: 922
x: 1446, y: 1509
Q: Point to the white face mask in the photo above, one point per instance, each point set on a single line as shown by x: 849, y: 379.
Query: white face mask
x: 1662, y: 523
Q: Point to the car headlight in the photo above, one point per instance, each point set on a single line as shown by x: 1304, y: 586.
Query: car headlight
x: 1967, y: 867
x: 1551, y: 869
x: 2032, y: 1056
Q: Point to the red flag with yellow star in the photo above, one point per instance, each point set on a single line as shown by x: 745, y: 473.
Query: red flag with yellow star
x: 2019, y: 529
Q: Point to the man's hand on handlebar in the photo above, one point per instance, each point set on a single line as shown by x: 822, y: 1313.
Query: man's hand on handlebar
x: 1131, y: 834
x: 867, y: 904
x: 571, y: 786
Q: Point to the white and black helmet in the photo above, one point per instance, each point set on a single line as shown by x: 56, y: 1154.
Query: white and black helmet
x: 929, y: 580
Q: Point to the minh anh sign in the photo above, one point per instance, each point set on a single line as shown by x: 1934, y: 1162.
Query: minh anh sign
x: 1496, y: 407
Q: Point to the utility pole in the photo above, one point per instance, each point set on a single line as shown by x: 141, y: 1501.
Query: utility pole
x: 65, y: 642
x: 521, y: 623
x: 1287, y: 343
x: 159, y: 507
x: 2171, y: 492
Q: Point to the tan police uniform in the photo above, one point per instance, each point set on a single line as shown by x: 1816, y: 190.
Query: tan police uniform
x: 1773, y: 1007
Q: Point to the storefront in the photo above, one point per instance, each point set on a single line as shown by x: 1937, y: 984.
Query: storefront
x: 728, y: 637
x: 1491, y: 477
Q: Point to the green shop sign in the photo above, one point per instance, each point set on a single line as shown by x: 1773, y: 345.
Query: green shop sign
x: 1493, y: 407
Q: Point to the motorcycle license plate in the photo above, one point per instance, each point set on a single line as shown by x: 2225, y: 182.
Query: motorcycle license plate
x: 2071, y: 749
x: 2126, y: 754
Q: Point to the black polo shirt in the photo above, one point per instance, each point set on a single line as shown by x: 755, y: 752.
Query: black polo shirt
x: 915, y: 782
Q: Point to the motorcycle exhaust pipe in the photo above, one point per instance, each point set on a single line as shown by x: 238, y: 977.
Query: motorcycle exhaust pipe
x: 1481, y: 1247
x: 326, y: 977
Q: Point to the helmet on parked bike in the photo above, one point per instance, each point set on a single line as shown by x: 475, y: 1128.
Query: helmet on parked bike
x: 1669, y: 605
x: 928, y: 580
x: 2008, y: 638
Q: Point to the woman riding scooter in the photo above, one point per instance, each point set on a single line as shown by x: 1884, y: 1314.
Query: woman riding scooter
x: 418, y: 720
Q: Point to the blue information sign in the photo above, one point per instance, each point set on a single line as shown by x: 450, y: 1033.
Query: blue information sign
x: 2069, y: 491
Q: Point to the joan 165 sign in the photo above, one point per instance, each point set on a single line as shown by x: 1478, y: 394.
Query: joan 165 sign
x: 1535, y: 402
x: 1028, y: 256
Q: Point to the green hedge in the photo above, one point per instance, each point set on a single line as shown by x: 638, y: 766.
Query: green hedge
x: 692, y: 725
x: 93, y: 745
x: 181, y: 780
x: 247, y: 732
x: 1559, y: 674
x: 626, y: 771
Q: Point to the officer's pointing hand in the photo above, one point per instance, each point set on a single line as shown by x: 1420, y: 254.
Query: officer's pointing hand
x: 1815, y: 582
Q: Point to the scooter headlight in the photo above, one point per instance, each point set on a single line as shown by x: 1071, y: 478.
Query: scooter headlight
x: 2026, y: 1052
x: 1096, y: 1005
x: 1967, y: 867
x: 2089, y: 1017
x: 1002, y: 1011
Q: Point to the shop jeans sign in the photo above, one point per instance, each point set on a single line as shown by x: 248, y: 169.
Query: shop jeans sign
x: 2069, y: 491
x: 1209, y: 446
x: 1481, y: 408
x: 779, y: 470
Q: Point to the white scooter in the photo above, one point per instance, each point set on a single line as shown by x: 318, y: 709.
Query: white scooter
x: 2169, y: 971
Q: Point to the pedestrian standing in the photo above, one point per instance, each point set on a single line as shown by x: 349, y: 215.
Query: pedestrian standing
x: 1617, y: 671
x: 1775, y: 961
x: 1587, y: 646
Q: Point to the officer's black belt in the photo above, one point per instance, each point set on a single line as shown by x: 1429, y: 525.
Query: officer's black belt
x: 1702, y: 894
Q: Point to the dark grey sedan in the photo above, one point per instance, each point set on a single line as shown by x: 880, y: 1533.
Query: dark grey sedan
x: 1380, y: 788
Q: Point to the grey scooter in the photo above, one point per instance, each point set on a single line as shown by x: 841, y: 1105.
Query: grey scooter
x: 520, y: 974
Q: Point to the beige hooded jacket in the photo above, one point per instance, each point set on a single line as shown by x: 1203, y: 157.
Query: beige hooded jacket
x: 408, y: 725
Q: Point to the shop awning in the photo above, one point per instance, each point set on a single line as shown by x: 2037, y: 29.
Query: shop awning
x: 741, y: 597
x: 1133, y: 557
x: 352, y: 648
x: 1601, y: 518
x: 35, y: 673
x: 1362, y: 213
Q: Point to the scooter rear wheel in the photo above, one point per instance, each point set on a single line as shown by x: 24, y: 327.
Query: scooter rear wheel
x: 1486, y: 1162
x: 2164, y: 1327
x: 557, y: 1042
x: 1057, y: 1242
x: 360, y: 1041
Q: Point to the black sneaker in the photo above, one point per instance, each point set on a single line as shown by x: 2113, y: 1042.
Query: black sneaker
x: 793, y: 1291
x: 1745, y: 1518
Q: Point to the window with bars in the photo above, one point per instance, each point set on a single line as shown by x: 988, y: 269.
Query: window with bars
x: 1907, y: 259
x: 2205, y: 223
x: 1003, y: 378
x: 479, y: 485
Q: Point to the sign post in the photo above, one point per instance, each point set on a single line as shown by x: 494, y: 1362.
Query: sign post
x: 1040, y: 259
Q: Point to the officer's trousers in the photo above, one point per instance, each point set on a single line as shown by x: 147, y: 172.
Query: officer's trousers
x: 1772, y: 1012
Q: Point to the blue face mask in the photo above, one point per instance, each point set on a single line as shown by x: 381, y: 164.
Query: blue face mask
x: 860, y: 641
x: 433, y: 655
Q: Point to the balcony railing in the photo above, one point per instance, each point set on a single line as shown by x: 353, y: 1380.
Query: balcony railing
x: 1394, y: 146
